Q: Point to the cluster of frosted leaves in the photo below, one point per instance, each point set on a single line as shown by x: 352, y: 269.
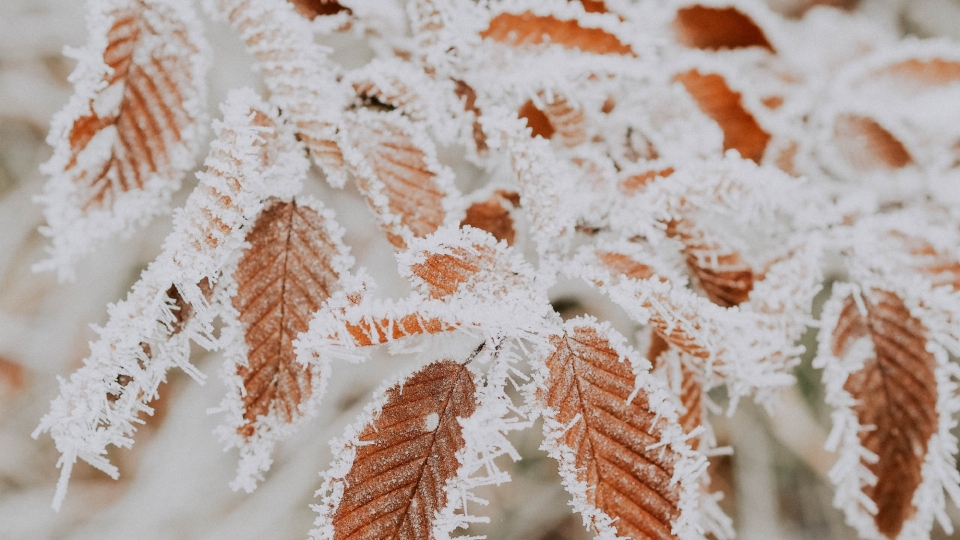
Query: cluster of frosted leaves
x: 651, y: 150
x: 132, y: 128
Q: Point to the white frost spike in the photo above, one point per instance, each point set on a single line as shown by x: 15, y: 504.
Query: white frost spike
x: 130, y: 131
x: 144, y: 337
x: 301, y: 78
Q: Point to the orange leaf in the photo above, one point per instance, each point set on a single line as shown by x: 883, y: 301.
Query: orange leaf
x: 741, y: 131
x: 152, y: 118
x: 868, y: 146
x: 405, y: 455
x: 398, y: 172
x: 526, y: 29
x: 558, y: 116
x: 896, y: 394
x: 588, y: 392
x: 493, y: 216
x: 288, y: 271
x: 311, y: 9
x: 469, y: 96
x: 713, y: 28
x: 725, y: 278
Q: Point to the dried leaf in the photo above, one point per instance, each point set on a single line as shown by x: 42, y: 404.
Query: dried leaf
x: 741, y: 131
x: 715, y: 28
x: 916, y: 75
x: 725, y: 278
x: 636, y: 182
x: 469, y: 96
x: 939, y: 267
x: 895, y: 392
x: 611, y: 436
x: 289, y: 270
x: 311, y: 9
x: 493, y: 216
x: 467, y: 261
x: 558, y: 116
x: 367, y: 332
x: 298, y: 72
x: 404, y: 456
x: 527, y: 28
x: 537, y: 120
x: 867, y: 146
x: 398, y: 172
x: 128, y: 135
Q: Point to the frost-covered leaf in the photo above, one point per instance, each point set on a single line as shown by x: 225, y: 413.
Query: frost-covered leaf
x: 396, y: 167
x: 394, y: 464
x: 130, y: 132
x: 311, y: 9
x: 493, y: 215
x: 529, y: 29
x: 150, y: 331
x: 714, y: 28
x: 722, y: 274
x: 868, y: 146
x: 717, y: 100
x: 619, y: 445
x: 302, y: 80
x: 293, y: 265
x: 555, y: 115
x: 891, y: 387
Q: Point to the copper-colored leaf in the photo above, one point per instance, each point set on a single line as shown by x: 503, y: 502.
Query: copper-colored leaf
x: 741, y: 131
x: 867, y: 146
x: 462, y: 266
x: 148, y: 124
x: 725, y: 278
x: 691, y: 388
x: 526, y: 29
x: 312, y: 9
x: 713, y: 28
x: 408, y: 452
x: 593, y: 6
x: 636, y: 182
x: 896, y: 393
x: 282, y: 279
x: 399, y: 176
x: 589, y: 389
x: 493, y: 216
x: 624, y: 265
x: 939, y: 268
x: 367, y: 332
x: 915, y: 74
x: 558, y: 117
x: 469, y: 96
x: 537, y: 120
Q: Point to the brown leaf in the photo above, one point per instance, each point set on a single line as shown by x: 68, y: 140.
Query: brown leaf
x: 896, y: 393
x: 725, y: 278
x: 525, y: 29
x: 588, y: 389
x: 469, y: 96
x: 867, y: 146
x: 463, y: 267
x: 153, y: 114
x: 311, y: 9
x: 691, y: 388
x: 915, y: 75
x: 282, y: 279
x: 635, y: 183
x: 493, y: 216
x: 558, y: 117
x: 940, y: 268
x: 715, y: 28
x: 715, y: 98
x: 395, y: 484
x: 537, y: 120
x: 366, y: 333
x: 404, y: 170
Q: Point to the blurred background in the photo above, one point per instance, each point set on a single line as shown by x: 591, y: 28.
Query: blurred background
x: 174, y: 482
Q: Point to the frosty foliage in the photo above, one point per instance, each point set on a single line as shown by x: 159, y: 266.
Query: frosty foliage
x: 702, y: 164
